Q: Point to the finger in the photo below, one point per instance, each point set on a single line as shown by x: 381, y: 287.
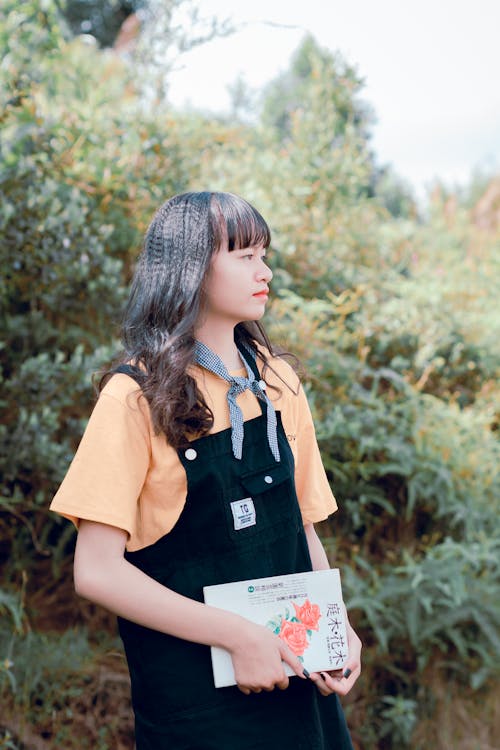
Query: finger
x: 291, y: 660
x: 320, y: 684
x: 335, y: 672
x: 328, y: 683
x: 351, y: 671
x: 284, y: 682
x: 340, y: 685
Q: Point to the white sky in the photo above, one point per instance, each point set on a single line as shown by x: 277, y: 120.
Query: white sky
x: 431, y: 70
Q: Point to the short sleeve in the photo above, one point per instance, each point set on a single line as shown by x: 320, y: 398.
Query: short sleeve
x: 313, y: 489
x: 108, y: 471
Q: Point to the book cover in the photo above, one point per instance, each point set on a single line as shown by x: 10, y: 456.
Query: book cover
x: 304, y: 609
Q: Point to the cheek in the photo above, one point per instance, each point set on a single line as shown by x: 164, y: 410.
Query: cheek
x: 221, y: 288
x: 226, y: 279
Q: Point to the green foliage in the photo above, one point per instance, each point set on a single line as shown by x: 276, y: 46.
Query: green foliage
x: 7, y: 741
x: 393, y: 317
x: 11, y: 605
x: 61, y: 680
x: 395, y: 194
x: 291, y: 91
x: 30, y: 35
x: 76, y: 187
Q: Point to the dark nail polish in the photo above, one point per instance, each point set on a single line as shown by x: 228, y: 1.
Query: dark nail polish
x: 306, y: 673
x: 347, y: 673
x: 322, y: 676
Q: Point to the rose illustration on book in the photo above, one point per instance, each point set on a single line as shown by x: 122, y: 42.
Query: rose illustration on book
x: 296, y: 630
x: 295, y: 636
x: 309, y: 614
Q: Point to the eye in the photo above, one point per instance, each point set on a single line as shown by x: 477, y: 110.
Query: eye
x: 254, y: 255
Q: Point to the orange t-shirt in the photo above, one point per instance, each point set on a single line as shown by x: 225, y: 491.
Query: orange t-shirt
x: 125, y: 475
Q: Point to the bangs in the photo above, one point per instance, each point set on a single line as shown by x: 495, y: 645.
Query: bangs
x: 238, y: 223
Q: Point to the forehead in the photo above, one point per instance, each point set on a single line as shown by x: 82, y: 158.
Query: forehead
x: 241, y: 226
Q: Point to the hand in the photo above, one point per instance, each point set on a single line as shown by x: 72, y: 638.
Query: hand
x: 335, y: 681
x: 259, y: 658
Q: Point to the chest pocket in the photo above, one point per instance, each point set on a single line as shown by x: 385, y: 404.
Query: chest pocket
x: 270, y: 495
x: 265, y: 479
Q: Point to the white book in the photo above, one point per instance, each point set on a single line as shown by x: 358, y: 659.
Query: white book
x: 306, y: 610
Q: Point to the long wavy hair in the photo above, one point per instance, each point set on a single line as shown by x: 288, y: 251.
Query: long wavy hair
x: 166, y: 300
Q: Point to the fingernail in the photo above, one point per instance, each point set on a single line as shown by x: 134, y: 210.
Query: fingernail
x: 322, y: 676
x: 347, y: 673
x: 306, y: 673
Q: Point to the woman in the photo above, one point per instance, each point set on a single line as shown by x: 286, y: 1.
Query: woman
x: 200, y: 414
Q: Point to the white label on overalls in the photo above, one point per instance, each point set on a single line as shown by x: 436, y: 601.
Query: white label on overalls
x: 243, y: 513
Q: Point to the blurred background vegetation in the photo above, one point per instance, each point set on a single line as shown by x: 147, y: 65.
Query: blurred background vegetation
x: 392, y: 308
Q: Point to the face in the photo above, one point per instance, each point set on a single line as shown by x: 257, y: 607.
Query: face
x: 236, y: 288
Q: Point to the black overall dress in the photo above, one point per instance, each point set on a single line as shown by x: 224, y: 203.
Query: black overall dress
x: 175, y: 702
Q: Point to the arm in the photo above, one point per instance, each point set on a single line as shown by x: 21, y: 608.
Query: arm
x: 103, y: 575
x: 334, y: 682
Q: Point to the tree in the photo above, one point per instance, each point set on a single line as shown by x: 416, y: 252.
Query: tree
x: 290, y: 91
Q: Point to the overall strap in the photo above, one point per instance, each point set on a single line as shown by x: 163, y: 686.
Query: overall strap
x: 133, y: 372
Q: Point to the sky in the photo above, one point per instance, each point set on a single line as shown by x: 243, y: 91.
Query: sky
x: 431, y: 71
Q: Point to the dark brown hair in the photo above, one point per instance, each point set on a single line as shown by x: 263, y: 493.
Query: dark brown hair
x: 166, y: 299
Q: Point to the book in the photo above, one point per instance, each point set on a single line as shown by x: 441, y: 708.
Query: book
x: 306, y: 610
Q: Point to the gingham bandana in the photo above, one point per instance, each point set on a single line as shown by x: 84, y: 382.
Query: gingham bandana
x: 206, y: 358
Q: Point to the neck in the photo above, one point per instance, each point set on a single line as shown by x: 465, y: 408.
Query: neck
x: 220, y: 339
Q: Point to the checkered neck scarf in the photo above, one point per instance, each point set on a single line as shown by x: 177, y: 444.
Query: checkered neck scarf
x: 206, y: 358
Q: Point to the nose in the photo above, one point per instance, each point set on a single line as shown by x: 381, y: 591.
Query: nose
x: 264, y: 273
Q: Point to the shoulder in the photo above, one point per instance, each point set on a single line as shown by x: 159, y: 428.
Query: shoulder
x: 123, y: 393
x: 121, y: 387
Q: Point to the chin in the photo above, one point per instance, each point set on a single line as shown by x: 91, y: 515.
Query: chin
x: 254, y: 317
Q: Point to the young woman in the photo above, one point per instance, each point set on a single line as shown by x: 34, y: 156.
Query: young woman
x: 201, y: 414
